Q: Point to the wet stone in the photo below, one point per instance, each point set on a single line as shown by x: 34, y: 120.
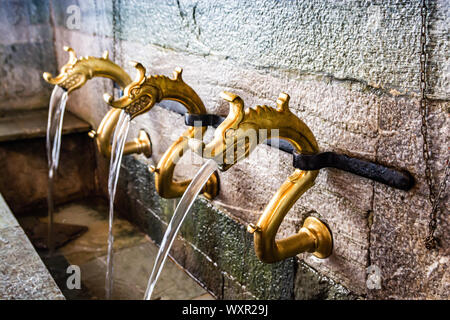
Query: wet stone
x: 22, y: 273
x: 6, y: 217
x: 132, y: 268
x: 216, y: 249
x: 311, y: 285
x: 134, y: 255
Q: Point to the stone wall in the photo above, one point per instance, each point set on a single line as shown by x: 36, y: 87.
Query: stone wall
x: 24, y: 172
x: 26, y: 49
x: 352, y: 71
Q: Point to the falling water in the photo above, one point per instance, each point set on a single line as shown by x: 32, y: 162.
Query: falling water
x: 119, y: 138
x: 180, y: 213
x: 56, y: 109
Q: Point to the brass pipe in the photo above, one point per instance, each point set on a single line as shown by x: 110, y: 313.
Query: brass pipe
x: 75, y: 73
x: 164, y: 182
x: 141, y: 144
x: 234, y: 132
x: 139, y: 97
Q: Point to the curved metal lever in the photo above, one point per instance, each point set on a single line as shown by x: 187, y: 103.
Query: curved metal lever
x: 391, y: 177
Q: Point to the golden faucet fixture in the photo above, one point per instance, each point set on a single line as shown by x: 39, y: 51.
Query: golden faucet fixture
x: 139, y: 97
x: 236, y: 132
x: 75, y: 73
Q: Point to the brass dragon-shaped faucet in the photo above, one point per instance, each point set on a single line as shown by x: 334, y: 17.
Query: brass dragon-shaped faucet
x: 75, y: 73
x: 139, y: 97
x: 235, y: 132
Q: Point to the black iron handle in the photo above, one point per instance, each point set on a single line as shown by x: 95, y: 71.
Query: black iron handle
x: 212, y: 120
x: 395, y: 178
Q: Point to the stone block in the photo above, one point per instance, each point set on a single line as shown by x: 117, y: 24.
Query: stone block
x: 23, y: 276
x: 26, y: 50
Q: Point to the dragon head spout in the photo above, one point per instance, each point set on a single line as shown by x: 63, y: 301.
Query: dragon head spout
x: 239, y: 133
x: 138, y: 97
x: 74, y: 73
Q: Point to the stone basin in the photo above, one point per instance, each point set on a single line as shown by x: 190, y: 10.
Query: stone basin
x: 27, y: 271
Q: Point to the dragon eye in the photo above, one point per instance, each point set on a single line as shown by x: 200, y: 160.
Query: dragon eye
x: 66, y: 69
x: 230, y: 132
x: 134, y: 92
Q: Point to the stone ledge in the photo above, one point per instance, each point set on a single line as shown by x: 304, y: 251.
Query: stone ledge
x: 23, y: 275
x: 18, y: 125
x: 6, y: 217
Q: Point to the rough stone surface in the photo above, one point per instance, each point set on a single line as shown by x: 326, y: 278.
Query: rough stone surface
x: 311, y: 285
x: 22, y: 273
x: 26, y: 50
x: 400, y: 220
x: 368, y: 41
x: 24, y: 171
x: 6, y: 218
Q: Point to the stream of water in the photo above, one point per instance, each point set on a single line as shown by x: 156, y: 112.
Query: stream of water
x: 118, y: 143
x: 56, y: 110
x: 180, y: 213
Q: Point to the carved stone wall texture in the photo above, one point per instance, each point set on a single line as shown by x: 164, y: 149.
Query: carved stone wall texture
x: 352, y: 71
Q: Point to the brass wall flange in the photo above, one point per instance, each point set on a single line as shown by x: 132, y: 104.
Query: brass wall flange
x: 211, y: 188
x: 233, y: 133
x: 323, y: 239
x: 143, y: 143
x: 75, y: 73
x: 314, y: 237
